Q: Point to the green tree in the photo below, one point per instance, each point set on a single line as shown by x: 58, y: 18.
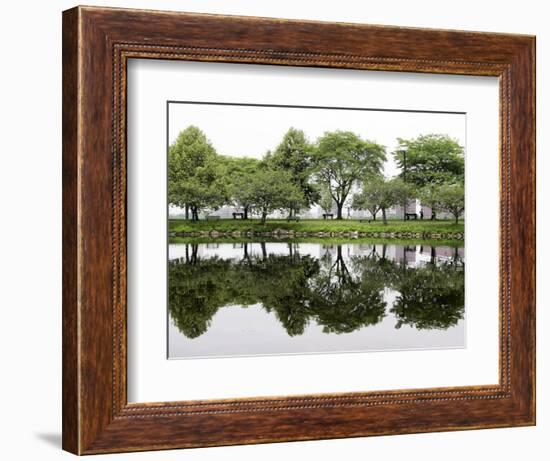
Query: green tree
x: 238, y: 174
x: 282, y: 287
x: 325, y: 199
x: 272, y: 190
x: 430, y: 297
x: 196, y: 291
x: 341, y: 159
x: 341, y: 300
x: 451, y: 199
x: 369, y: 197
x: 430, y: 159
x: 429, y: 196
x: 390, y: 193
x: 195, y: 173
x: 294, y: 155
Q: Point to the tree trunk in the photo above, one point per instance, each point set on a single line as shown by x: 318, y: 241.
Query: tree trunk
x: 342, y: 271
x: 456, y: 218
x: 264, y: 217
x: 384, y: 220
x: 264, y: 251
x: 339, y: 257
x: 186, y: 212
x: 339, y: 210
x: 374, y: 213
x: 245, y: 214
x: 194, y: 252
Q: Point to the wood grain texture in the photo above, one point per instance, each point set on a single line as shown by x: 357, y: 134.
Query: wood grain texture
x: 97, y: 42
x: 70, y: 385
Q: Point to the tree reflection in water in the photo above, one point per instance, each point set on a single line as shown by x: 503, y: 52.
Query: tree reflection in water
x: 340, y: 293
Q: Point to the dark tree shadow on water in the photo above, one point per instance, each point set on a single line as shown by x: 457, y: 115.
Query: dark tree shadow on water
x: 340, y: 294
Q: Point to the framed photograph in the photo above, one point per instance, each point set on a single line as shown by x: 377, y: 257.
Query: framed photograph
x: 281, y: 230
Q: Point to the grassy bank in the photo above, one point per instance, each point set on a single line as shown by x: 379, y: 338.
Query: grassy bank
x: 426, y: 229
x: 322, y: 241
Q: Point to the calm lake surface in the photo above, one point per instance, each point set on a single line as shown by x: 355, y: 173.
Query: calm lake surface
x: 269, y: 298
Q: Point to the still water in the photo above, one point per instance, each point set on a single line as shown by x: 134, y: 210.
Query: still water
x: 270, y: 298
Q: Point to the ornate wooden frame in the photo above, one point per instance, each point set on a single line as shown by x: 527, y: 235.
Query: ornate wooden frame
x: 97, y: 43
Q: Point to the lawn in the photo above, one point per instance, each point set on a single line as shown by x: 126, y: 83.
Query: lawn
x: 225, y: 226
x: 320, y: 240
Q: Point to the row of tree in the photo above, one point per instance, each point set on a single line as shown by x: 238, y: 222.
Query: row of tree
x: 379, y: 195
x: 298, y: 174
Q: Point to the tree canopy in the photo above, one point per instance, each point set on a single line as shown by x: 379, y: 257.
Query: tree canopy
x: 430, y: 297
x: 429, y: 196
x: 341, y: 159
x: 294, y: 155
x: 271, y: 190
x: 238, y: 173
x: 369, y: 198
x: 451, y: 199
x: 195, y: 176
x: 382, y: 194
x: 430, y: 159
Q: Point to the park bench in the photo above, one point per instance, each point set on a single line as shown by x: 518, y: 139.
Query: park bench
x: 409, y: 216
x: 293, y: 218
x: 212, y: 217
x: 328, y: 215
x: 241, y: 215
x: 365, y: 220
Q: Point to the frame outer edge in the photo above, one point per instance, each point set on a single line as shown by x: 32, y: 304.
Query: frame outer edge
x: 70, y: 217
x: 91, y: 423
x: 528, y: 63
x: 522, y: 246
x: 533, y: 51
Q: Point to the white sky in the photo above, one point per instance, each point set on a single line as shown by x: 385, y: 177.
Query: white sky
x: 250, y: 131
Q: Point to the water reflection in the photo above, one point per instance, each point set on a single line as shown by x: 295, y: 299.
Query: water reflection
x: 339, y: 288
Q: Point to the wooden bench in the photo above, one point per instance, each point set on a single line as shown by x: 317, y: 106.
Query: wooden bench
x: 293, y: 218
x: 365, y: 220
x: 409, y: 216
x: 212, y: 218
x: 328, y: 215
x: 241, y: 215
